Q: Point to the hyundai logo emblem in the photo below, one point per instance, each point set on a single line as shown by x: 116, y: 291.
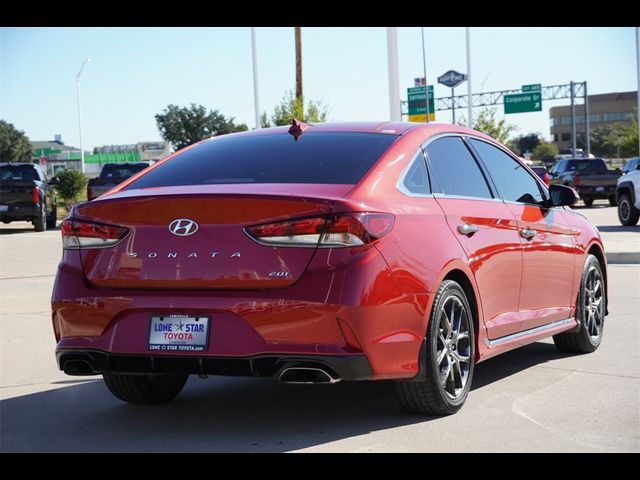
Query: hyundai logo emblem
x: 183, y: 227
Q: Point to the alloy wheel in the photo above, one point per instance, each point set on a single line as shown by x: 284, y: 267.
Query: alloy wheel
x: 593, y: 308
x: 453, y: 347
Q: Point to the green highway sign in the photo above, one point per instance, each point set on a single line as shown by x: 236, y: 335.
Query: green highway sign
x: 417, y: 107
x: 523, y: 102
x: 534, y: 87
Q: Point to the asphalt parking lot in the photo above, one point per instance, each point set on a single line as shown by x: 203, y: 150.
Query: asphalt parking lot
x: 534, y: 399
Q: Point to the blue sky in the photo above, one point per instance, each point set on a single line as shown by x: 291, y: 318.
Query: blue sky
x: 136, y: 72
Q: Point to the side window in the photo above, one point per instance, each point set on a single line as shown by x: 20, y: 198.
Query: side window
x: 557, y: 168
x: 514, y: 182
x: 454, y: 170
x: 416, y: 180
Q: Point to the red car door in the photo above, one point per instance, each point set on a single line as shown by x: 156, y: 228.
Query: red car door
x: 485, y: 228
x: 546, y: 238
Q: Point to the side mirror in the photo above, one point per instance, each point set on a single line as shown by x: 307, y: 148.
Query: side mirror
x: 53, y: 181
x: 562, y: 195
x: 638, y: 166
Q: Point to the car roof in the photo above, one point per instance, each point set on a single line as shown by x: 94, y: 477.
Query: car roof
x: 386, y: 127
x: 5, y: 164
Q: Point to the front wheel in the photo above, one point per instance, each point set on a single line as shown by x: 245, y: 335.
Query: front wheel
x: 145, y: 388
x: 627, y: 212
x: 588, y: 202
x: 590, y: 312
x: 612, y: 201
x: 450, y: 351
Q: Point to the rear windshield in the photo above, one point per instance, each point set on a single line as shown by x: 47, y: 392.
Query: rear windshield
x: 121, y: 171
x: 17, y: 173
x: 322, y: 157
x: 587, y: 166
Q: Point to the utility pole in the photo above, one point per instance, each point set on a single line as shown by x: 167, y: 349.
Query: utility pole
x: 298, y: 63
x: 638, y: 74
x: 86, y: 60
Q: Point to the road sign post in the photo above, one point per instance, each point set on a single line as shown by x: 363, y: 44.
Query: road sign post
x: 418, y: 106
x: 452, y: 79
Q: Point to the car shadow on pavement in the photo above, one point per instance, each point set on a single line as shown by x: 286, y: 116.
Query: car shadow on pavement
x: 9, y: 231
x: 221, y: 414
x: 618, y: 228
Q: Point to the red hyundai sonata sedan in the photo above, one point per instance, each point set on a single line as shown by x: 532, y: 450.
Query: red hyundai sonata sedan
x: 321, y: 253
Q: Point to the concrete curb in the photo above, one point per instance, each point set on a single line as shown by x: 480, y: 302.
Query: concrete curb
x: 623, y: 257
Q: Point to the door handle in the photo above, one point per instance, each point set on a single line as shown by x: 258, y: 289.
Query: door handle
x: 528, y: 234
x: 467, y: 229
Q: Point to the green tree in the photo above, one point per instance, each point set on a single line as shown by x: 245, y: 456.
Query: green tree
x: 544, y: 149
x: 71, y: 183
x: 183, y: 126
x: 14, y: 144
x: 524, y: 143
x: 486, y: 122
x: 290, y: 108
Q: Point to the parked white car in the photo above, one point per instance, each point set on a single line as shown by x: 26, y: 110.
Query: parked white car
x: 628, y: 194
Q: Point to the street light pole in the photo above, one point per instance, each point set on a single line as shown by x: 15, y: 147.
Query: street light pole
x: 394, y: 81
x: 426, y: 84
x: 470, y: 121
x: 86, y: 60
x: 256, y: 98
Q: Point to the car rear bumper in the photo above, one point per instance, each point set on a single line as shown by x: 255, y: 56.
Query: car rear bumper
x: 20, y: 212
x: 94, y: 362
x: 331, y: 316
x: 594, y: 192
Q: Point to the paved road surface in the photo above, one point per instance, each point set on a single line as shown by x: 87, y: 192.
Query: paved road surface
x: 532, y: 399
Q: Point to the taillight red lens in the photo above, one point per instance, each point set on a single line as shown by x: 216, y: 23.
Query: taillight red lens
x: 576, y: 180
x: 345, y: 230
x: 546, y: 179
x: 81, y: 234
x: 36, y: 194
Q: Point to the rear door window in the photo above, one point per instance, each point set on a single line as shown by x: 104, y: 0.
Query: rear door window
x: 315, y: 157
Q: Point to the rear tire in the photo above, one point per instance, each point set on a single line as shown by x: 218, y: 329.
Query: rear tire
x: 52, y: 218
x: 627, y: 212
x: 145, y: 389
x: 588, y: 202
x: 612, y: 201
x: 40, y: 222
x: 590, y: 312
x: 450, y: 351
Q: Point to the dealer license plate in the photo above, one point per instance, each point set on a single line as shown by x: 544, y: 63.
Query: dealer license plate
x: 599, y: 189
x: 4, y: 208
x: 180, y: 333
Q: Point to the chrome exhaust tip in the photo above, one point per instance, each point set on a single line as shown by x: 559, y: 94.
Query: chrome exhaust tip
x: 307, y: 375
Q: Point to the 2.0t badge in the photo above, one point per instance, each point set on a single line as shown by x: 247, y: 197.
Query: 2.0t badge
x: 183, y: 227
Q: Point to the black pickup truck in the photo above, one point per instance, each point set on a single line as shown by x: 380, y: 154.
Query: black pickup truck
x: 111, y: 175
x: 25, y: 194
x: 588, y: 176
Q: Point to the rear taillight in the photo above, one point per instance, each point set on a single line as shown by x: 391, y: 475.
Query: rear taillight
x: 81, y: 234
x: 576, y: 180
x: 545, y: 179
x: 345, y: 230
x: 36, y: 194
